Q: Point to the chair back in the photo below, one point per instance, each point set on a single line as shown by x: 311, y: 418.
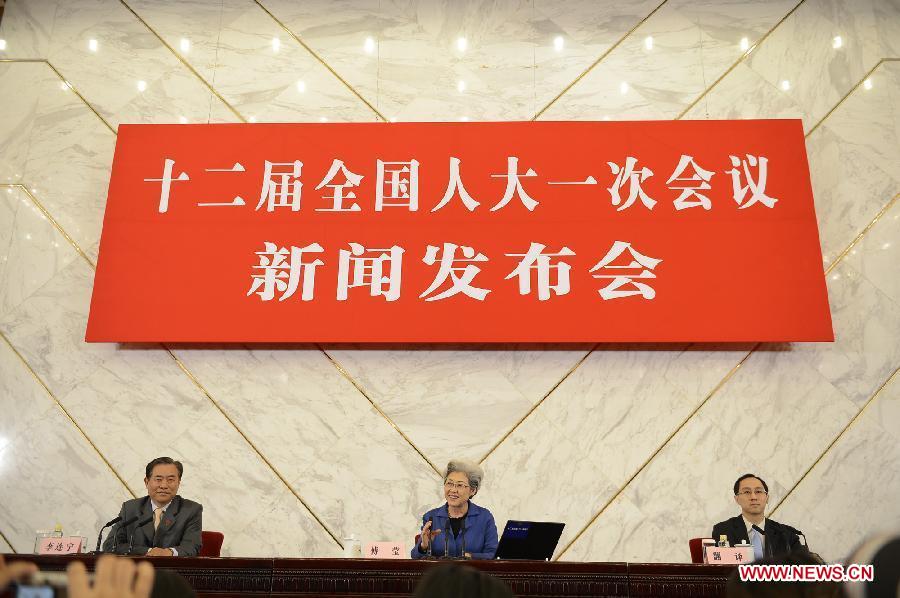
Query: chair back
x: 696, y: 546
x: 212, y: 543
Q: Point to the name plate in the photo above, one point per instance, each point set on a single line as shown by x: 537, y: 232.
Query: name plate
x: 385, y: 550
x: 737, y: 555
x: 63, y: 545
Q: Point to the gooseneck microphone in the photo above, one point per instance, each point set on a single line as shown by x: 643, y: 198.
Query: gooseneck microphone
x: 462, y: 539
x: 122, y: 525
x: 447, y: 533
x: 758, y: 529
x: 140, y: 524
x: 799, y: 534
x: 100, y: 535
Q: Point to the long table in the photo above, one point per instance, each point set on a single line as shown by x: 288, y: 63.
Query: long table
x: 226, y: 577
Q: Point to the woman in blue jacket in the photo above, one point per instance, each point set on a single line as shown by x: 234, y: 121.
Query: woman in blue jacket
x: 459, y: 528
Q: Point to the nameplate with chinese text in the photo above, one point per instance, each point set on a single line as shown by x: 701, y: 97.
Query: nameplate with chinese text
x: 735, y: 555
x: 663, y: 231
x: 63, y: 545
x: 385, y: 550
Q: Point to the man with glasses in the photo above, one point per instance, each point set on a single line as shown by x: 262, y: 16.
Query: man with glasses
x: 770, y: 538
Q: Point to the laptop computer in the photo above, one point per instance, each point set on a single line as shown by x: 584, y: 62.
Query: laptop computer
x: 529, y: 540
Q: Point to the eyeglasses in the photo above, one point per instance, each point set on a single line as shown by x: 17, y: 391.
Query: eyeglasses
x: 757, y: 492
x: 455, y: 486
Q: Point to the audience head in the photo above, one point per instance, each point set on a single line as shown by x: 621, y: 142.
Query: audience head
x: 883, y: 553
x: 459, y: 581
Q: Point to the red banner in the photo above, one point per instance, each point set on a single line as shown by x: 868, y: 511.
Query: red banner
x: 461, y: 232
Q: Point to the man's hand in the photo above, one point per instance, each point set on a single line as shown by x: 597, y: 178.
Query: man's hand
x: 15, y: 572
x: 114, y: 578
x: 160, y: 552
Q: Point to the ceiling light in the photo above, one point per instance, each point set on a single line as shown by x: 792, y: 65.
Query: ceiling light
x: 623, y: 87
x: 301, y: 86
x: 461, y: 44
x: 837, y: 42
x: 785, y: 85
x: 369, y: 46
x: 867, y: 84
x: 276, y: 44
x: 558, y: 43
x: 92, y: 45
x: 461, y: 86
x: 185, y: 45
x: 141, y: 85
x: 745, y: 44
x: 648, y: 42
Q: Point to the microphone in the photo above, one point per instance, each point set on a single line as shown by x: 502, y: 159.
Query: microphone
x: 140, y: 524
x: 447, y: 539
x: 758, y: 529
x: 462, y: 538
x: 431, y: 539
x: 124, y: 524
x: 100, y: 535
x: 797, y: 532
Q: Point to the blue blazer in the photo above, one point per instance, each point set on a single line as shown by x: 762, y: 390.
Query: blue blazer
x: 480, y: 535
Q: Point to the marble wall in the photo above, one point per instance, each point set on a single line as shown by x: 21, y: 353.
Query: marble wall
x: 292, y: 448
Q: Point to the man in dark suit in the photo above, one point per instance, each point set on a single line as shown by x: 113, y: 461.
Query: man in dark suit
x: 751, y: 493
x: 173, y: 524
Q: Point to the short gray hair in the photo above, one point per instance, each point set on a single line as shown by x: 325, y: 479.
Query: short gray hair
x: 473, y: 472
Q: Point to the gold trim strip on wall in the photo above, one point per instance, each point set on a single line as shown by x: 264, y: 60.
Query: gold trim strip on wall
x: 743, y: 57
x: 538, y: 403
x: 836, y: 439
x: 652, y: 456
x: 186, y: 64
x: 705, y: 92
x: 66, y: 413
x: 719, y: 386
x: 63, y: 80
x: 8, y: 543
x: 598, y: 61
x: 847, y: 95
x: 321, y: 61
x: 24, y: 188
x: 253, y: 446
x: 375, y: 405
x: 863, y: 233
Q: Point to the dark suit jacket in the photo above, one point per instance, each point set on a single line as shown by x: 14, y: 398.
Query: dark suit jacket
x: 179, y: 527
x: 779, y: 540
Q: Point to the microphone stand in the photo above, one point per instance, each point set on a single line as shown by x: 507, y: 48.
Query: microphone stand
x: 447, y: 532
x: 462, y: 539
x: 100, y: 535
x: 140, y: 524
